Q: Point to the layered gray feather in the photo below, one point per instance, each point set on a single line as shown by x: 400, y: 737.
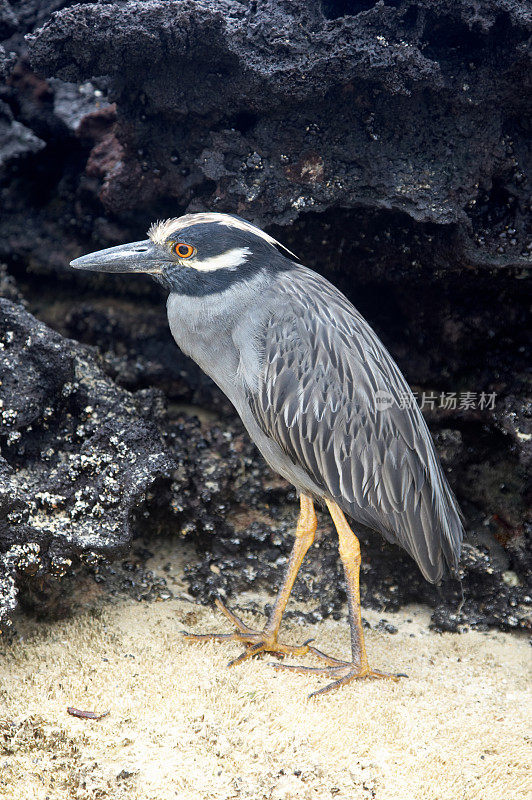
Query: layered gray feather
x: 321, y: 366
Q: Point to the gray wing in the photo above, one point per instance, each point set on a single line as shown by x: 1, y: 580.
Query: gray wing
x: 321, y: 367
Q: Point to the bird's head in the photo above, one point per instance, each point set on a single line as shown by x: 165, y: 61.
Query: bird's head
x: 195, y: 254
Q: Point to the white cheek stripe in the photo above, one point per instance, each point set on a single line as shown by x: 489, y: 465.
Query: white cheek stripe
x: 230, y: 260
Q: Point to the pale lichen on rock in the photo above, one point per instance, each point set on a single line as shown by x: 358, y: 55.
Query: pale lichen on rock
x: 79, y: 498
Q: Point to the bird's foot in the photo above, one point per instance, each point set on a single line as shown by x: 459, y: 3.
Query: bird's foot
x: 255, y: 641
x: 342, y: 671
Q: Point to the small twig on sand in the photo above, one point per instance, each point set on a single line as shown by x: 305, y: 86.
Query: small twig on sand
x: 76, y: 712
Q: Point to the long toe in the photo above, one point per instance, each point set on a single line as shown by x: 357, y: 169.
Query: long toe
x: 236, y: 621
x: 341, y: 671
x: 352, y: 674
x: 255, y: 641
x: 212, y: 637
x: 330, y: 660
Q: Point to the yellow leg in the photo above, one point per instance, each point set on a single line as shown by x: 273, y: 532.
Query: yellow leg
x: 266, y: 640
x: 358, y: 667
x: 349, y: 549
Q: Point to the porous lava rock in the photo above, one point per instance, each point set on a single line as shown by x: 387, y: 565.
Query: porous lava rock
x: 78, y: 455
x: 243, y: 525
x: 385, y: 143
x: 391, y: 136
x: 82, y: 466
x: 15, y: 139
x: 273, y: 109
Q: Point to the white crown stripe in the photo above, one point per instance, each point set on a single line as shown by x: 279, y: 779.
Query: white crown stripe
x: 160, y: 231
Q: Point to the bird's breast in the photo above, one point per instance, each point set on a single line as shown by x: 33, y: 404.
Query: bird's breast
x: 205, y: 334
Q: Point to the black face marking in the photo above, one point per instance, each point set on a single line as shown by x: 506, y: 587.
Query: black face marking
x: 211, y: 240
x: 194, y: 283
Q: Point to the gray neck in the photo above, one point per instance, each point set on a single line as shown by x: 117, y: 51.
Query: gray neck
x: 219, y: 332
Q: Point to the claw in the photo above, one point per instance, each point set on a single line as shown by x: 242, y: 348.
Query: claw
x: 248, y: 653
x: 255, y: 641
x: 343, y: 671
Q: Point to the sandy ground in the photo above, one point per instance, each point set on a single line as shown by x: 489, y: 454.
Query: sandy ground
x: 183, y: 725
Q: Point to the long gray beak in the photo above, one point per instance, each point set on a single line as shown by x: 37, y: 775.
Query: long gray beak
x: 133, y: 257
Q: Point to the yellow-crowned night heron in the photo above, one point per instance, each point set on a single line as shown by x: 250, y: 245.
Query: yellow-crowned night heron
x: 319, y: 395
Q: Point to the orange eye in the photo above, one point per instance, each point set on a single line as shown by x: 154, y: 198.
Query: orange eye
x: 183, y: 250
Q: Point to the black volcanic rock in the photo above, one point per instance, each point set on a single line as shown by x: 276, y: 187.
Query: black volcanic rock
x: 80, y: 466
x: 386, y: 143
x: 8, y: 20
x: 15, y: 139
x: 77, y: 457
x: 6, y: 62
x: 273, y: 109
